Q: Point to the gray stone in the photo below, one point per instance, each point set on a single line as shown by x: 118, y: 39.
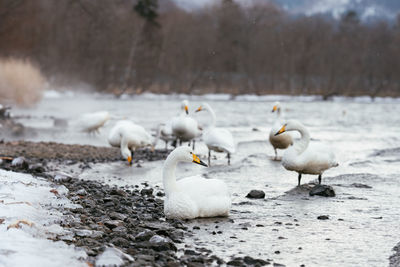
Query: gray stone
x: 256, y: 194
x: 322, y: 190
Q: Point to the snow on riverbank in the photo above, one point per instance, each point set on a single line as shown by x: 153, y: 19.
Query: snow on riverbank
x: 29, y: 219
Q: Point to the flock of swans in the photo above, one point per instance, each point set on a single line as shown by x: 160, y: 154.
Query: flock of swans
x: 196, y: 196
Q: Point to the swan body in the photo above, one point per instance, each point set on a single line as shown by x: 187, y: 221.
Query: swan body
x: 304, y: 158
x: 217, y: 139
x: 129, y: 136
x: 185, y: 128
x: 92, y: 122
x: 283, y: 140
x: 194, y: 196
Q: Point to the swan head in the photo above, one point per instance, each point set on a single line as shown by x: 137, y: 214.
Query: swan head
x: 185, y: 154
x: 276, y: 107
x: 204, y: 106
x: 290, y: 125
x: 185, y: 106
x: 127, y: 154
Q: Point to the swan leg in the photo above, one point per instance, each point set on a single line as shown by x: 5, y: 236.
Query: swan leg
x: 229, y: 159
x: 194, y: 142
x: 319, y: 178
x: 180, y: 142
x: 276, y: 154
x: 166, y: 145
x: 209, y: 157
x: 299, y: 178
x: 189, y: 144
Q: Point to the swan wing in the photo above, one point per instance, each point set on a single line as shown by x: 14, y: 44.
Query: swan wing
x: 221, y: 139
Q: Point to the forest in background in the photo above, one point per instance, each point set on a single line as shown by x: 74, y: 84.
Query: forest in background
x: 133, y: 46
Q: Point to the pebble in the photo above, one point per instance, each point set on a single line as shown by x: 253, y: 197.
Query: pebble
x: 322, y: 190
x: 323, y: 217
x: 256, y: 194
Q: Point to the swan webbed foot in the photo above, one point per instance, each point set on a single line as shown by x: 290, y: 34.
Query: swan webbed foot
x: 299, y: 179
x: 319, y: 178
x: 276, y: 154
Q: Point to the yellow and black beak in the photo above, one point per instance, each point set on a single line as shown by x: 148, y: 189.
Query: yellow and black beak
x: 274, y: 108
x: 282, y: 130
x: 130, y: 160
x: 186, y: 110
x: 199, y: 109
x: 198, y: 161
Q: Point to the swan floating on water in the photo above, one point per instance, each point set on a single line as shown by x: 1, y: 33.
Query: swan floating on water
x: 283, y: 140
x: 184, y: 127
x: 92, y: 122
x: 217, y: 139
x: 305, y: 158
x: 129, y: 136
x: 194, y: 196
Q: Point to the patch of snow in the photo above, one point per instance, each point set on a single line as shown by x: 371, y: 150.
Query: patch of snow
x: 30, y: 215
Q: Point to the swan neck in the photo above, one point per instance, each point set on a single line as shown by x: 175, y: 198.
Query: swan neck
x: 302, y: 144
x: 169, y: 179
x: 213, y: 117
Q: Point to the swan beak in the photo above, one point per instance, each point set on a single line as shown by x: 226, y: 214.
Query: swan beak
x: 186, y: 110
x: 198, y: 161
x: 282, y: 130
x: 130, y: 160
x: 199, y: 109
x: 274, y: 108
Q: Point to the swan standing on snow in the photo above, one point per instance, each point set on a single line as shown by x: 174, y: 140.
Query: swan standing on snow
x: 304, y: 158
x: 184, y: 127
x: 165, y: 132
x: 217, y: 139
x: 283, y: 140
x: 194, y: 196
x: 92, y: 122
x: 129, y: 136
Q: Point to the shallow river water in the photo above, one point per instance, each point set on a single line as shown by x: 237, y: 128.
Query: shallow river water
x: 364, y: 220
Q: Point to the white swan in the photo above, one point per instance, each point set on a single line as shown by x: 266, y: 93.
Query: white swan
x: 185, y: 128
x: 193, y: 196
x: 165, y: 132
x: 92, y: 122
x: 283, y: 140
x: 304, y: 158
x: 217, y: 139
x: 129, y: 136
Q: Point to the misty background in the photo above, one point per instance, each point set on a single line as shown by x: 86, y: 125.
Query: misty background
x: 346, y: 47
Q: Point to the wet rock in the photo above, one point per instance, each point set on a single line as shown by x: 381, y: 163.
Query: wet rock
x: 113, y: 223
x: 37, y: 168
x: 252, y: 261
x: 146, y: 191
x: 394, y: 260
x: 278, y: 264
x: 119, y: 241
x: 160, y: 243
x: 176, y: 235
x: 323, y: 217
x: 117, y: 216
x: 145, y: 235
x: 322, y: 190
x: 81, y: 192
x: 256, y: 194
x: 20, y: 162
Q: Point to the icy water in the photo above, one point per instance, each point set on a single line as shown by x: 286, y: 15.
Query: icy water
x: 364, y: 219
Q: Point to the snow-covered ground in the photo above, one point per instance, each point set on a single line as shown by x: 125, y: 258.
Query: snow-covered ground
x: 30, y: 216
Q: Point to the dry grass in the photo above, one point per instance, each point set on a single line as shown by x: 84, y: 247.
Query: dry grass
x: 21, y: 82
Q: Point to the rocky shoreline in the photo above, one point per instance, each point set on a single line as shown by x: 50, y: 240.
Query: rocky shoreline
x: 128, y: 220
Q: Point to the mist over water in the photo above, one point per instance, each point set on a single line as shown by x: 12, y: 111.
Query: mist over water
x: 363, y: 219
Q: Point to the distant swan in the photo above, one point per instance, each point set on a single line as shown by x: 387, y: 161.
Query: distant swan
x: 194, y: 196
x: 304, y: 158
x: 165, y: 132
x: 283, y: 140
x: 129, y: 136
x: 92, y: 122
x: 217, y: 139
x: 184, y: 127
